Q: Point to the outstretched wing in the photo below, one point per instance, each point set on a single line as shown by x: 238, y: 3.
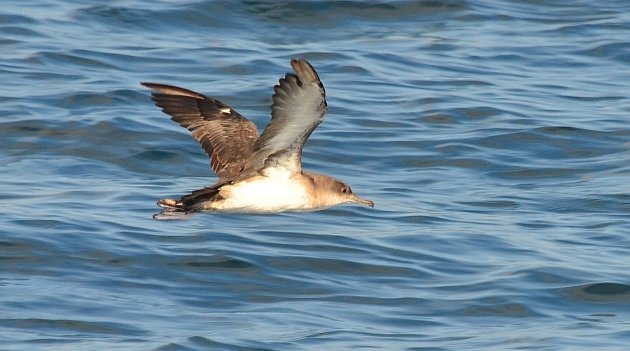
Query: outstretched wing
x: 299, y: 106
x: 225, y: 135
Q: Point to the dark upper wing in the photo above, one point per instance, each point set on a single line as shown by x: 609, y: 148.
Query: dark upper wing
x: 299, y: 106
x: 226, y: 136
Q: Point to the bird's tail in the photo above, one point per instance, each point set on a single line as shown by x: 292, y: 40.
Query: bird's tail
x: 172, y: 209
x: 185, y: 207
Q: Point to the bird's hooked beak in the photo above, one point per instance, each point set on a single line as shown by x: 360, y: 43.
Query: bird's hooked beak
x: 354, y: 198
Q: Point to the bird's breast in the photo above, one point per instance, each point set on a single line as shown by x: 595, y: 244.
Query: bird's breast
x: 265, y: 194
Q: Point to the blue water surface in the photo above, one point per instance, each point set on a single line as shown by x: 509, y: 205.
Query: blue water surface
x: 493, y: 136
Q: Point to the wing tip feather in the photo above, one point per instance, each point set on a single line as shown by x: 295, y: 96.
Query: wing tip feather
x: 305, y: 71
x: 158, y: 88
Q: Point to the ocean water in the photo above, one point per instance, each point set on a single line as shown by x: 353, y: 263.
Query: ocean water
x: 493, y: 136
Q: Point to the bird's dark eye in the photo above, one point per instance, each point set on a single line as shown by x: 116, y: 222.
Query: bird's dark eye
x: 344, y: 190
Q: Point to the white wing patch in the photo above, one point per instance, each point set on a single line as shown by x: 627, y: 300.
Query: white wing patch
x: 226, y: 110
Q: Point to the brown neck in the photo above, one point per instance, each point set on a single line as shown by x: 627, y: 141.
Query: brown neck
x: 319, y: 187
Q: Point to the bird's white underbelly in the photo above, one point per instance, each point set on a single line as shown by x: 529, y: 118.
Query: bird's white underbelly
x: 264, y: 195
